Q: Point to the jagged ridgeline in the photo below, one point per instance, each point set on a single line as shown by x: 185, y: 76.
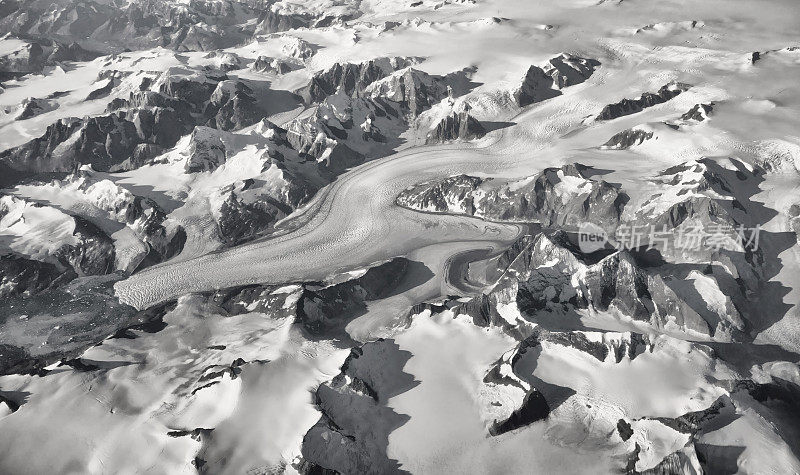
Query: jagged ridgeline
x: 370, y: 236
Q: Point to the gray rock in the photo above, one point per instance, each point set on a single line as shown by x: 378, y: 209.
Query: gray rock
x: 206, y: 151
x: 542, y: 83
x: 27, y: 277
x: 534, y: 199
x: 456, y: 126
x: 699, y: 112
x: 628, y: 138
x: 352, y: 434
x: 350, y: 77
x: 648, y: 99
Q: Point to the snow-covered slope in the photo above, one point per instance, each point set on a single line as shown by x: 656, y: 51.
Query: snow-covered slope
x: 436, y: 236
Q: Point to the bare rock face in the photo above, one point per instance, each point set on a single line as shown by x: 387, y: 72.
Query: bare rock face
x: 79, y: 245
x: 413, y: 90
x: 569, y: 70
x: 266, y: 64
x: 648, y: 99
x: 273, y: 22
x: 37, y: 54
x: 699, y: 112
x: 361, y: 110
x: 27, y: 277
x: 94, y: 253
x: 351, y: 78
x: 139, y: 127
x: 206, y: 150
x: 537, y: 86
x: 325, y: 311
x: 617, y: 281
x: 557, y: 196
x: 628, y: 138
x: 249, y: 208
x: 794, y: 218
x: 547, y: 274
x: 194, y: 26
x: 542, y: 83
x: 246, y: 212
x: 451, y: 195
x: 705, y: 193
x: 32, y: 107
x: 456, y: 126
x: 352, y: 434
x: 233, y: 106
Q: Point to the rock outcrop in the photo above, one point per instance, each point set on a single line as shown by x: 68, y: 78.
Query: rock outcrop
x: 353, y: 433
x: 34, y: 55
x: 139, y: 127
x: 456, y: 126
x: 557, y: 196
x: 542, y: 83
x: 351, y: 78
x: 32, y: 107
x: 206, y: 150
x: 699, y: 112
x: 648, y: 99
x: 629, y: 138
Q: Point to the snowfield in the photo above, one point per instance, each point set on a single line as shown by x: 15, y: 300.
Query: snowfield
x: 344, y: 237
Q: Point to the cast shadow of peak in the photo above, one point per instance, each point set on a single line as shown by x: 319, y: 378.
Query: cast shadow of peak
x: 719, y: 459
x: 591, y: 172
x: 14, y: 399
x: 491, y: 126
x: 461, y: 81
x: 416, y: 274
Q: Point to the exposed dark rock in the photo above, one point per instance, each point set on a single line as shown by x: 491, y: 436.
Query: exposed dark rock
x: 206, y: 151
x: 197, y: 26
x: 617, y: 281
x: 329, y: 309
x: 414, y: 91
x: 26, y: 277
x: 648, y: 99
x: 624, y: 428
x: 681, y: 461
x: 456, y: 126
x: 437, y: 196
x: 240, y: 221
x: 61, y: 323
x: 272, y: 22
x: 691, y: 422
x: 233, y: 109
x: 534, y: 408
x: 140, y: 126
x: 537, y: 86
x: 196, y: 434
x: 699, y: 112
x: 267, y: 64
x: 542, y: 83
x: 94, y: 255
x: 794, y: 219
x: 628, y: 138
x: 556, y: 196
x: 32, y: 107
x: 247, y: 211
x: 101, y: 91
x: 578, y: 341
x: 352, y: 434
x: 350, y: 77
x: 37, y: 54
